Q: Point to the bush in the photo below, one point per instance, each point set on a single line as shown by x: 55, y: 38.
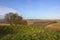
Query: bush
x: 5, y: 30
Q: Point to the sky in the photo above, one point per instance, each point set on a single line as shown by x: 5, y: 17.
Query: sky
x: 32, y: 9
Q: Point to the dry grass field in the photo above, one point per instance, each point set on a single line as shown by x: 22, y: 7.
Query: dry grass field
x: 55, y: 26
x: 40, y: 22
x: 3, y: 24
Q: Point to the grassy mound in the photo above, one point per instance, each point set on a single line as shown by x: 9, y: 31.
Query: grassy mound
x: 29, y: 33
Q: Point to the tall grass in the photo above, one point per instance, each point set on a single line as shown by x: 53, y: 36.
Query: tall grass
x: 28, y: 33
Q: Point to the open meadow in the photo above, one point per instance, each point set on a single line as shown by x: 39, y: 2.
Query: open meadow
x: 28, y: 33
x: 29, y: 19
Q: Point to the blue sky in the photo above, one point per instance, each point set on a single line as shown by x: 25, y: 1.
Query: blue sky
x: 32, y: 9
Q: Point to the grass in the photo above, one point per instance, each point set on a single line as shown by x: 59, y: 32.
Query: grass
x: 28, y: 33
x: 55, y: 26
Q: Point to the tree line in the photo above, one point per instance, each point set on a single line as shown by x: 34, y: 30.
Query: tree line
x: 14, y: 19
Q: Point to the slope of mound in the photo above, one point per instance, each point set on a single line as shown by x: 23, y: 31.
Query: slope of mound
x: 54, y: 26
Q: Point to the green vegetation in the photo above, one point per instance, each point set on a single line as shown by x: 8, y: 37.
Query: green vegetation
x: 28, y: 33
x: 14, y: 19
x: 20, y: 31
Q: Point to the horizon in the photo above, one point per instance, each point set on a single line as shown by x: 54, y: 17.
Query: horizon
x: 32, y: 9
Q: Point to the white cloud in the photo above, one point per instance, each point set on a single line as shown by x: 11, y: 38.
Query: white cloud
x: 4, y: 10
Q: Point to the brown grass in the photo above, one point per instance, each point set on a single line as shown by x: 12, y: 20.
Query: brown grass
x: 55, y: 26
x: 2, y: 24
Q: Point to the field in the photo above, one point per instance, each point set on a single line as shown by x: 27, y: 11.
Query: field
x: 55, y: 26
x: 28, y: 33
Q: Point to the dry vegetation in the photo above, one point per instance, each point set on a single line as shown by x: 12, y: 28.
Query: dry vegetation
x: 40, y: 22
x: 55, y: 26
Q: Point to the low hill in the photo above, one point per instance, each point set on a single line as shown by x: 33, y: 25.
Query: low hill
x: 55, y: 26
x: 40, y: 22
